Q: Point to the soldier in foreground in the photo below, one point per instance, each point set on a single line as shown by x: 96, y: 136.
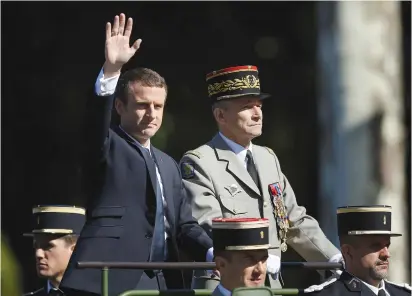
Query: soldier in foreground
x: 241, y: 253
x: 365, y: 236
x: 54, y: 237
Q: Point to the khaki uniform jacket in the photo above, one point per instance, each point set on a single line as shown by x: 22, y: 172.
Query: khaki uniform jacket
x: 218, y: 185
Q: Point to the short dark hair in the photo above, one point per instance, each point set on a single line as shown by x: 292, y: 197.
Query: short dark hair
x: 349, y: 240
x: 144, y: 76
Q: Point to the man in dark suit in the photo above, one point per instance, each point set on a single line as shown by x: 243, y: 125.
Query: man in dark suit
x: 55, y: 232
x: 365, y: 236
x: 138, y: 210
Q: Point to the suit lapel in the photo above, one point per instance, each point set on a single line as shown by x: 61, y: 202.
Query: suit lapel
x: 138, y: 148
x: 234, y: 166
x: 167, y: 185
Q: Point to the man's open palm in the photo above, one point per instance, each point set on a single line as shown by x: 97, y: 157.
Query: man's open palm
x: 118, y: 50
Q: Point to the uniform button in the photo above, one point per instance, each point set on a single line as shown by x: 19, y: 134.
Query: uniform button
x: 148, y: 235
x: 265, y: 204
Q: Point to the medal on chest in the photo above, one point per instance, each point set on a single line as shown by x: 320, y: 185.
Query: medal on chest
x: 279, y: 211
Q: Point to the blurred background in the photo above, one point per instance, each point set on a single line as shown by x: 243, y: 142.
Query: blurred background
x: 339, y: 118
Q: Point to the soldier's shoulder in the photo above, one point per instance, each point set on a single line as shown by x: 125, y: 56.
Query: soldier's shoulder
x: 37, y: 292
x: 265, y: 149
x: 405, y: 287
x: 196, y: 153
x: 199, y: 152
x: 326, y: 288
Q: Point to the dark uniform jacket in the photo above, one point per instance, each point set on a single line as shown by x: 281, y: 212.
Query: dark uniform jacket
x: 348, y: 285
x: 39, y: 292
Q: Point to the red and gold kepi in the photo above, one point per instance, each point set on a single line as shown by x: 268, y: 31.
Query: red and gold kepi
x: 234, y: 82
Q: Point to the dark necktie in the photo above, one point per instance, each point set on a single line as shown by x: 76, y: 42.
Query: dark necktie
x: 251, y: 168
x: 157, y: 253
x: 381, y: 292
x: 55, y: 292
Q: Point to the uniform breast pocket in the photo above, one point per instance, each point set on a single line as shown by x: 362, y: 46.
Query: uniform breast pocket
x: 233, y: 207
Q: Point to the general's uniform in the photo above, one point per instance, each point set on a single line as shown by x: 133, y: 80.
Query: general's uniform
x: 219, y: 184
x: 55, y: 220
x: 362, y: 220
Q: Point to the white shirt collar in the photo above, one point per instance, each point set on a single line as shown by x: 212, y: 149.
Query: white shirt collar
x: 137, y: 142
x: 224, y: 291
x: 375, y: 289
x: 239, y: 150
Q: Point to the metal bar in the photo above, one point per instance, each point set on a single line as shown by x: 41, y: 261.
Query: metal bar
x: 195, y: 265
x: 167, y: 292
x: 195, y: 292
x: 105, y: 281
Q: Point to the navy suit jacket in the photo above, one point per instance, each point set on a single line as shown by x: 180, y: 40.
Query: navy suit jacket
x: 118, y: 227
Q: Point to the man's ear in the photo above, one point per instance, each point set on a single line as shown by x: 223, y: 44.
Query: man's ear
x: 220, y: 262
x: 219, y: 115
x: 346, y: 251
x: 119, y: 106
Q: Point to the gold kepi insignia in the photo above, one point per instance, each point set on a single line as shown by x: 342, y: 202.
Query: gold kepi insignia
x: 262, y: 235
x: 384, y: 220
x: 279, y: 210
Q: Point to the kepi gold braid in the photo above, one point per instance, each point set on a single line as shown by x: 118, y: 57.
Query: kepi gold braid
x: 249, y: 81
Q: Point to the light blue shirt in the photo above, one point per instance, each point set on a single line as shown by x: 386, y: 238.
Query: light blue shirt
x: 224, y: 291
x: 237, y: 149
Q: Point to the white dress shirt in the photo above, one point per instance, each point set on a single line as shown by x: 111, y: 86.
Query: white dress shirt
x: 106, y: 87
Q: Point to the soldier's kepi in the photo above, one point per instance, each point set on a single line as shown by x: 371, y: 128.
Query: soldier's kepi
x: 365, y: 220
x: 241, y: 251
x: 231, y: 234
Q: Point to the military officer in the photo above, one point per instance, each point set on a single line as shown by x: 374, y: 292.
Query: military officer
x: 55, y: 234
x: 230, y: 177
x: 365, y: 236
x: 241, y: 253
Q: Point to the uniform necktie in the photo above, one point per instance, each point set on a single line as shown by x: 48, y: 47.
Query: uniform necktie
x: 251, y: 168
x: 381, y: 292
x: 157, y: 252
x: 55, y: 292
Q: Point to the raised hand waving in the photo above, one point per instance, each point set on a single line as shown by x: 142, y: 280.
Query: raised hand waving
x: 117, y: 49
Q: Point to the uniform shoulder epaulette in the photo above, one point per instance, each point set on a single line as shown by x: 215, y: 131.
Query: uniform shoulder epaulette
x: 33, y: 293
x: 404, y: 286
x: 270, y: 151
x: 194, y: 152
x: 316, y: 288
